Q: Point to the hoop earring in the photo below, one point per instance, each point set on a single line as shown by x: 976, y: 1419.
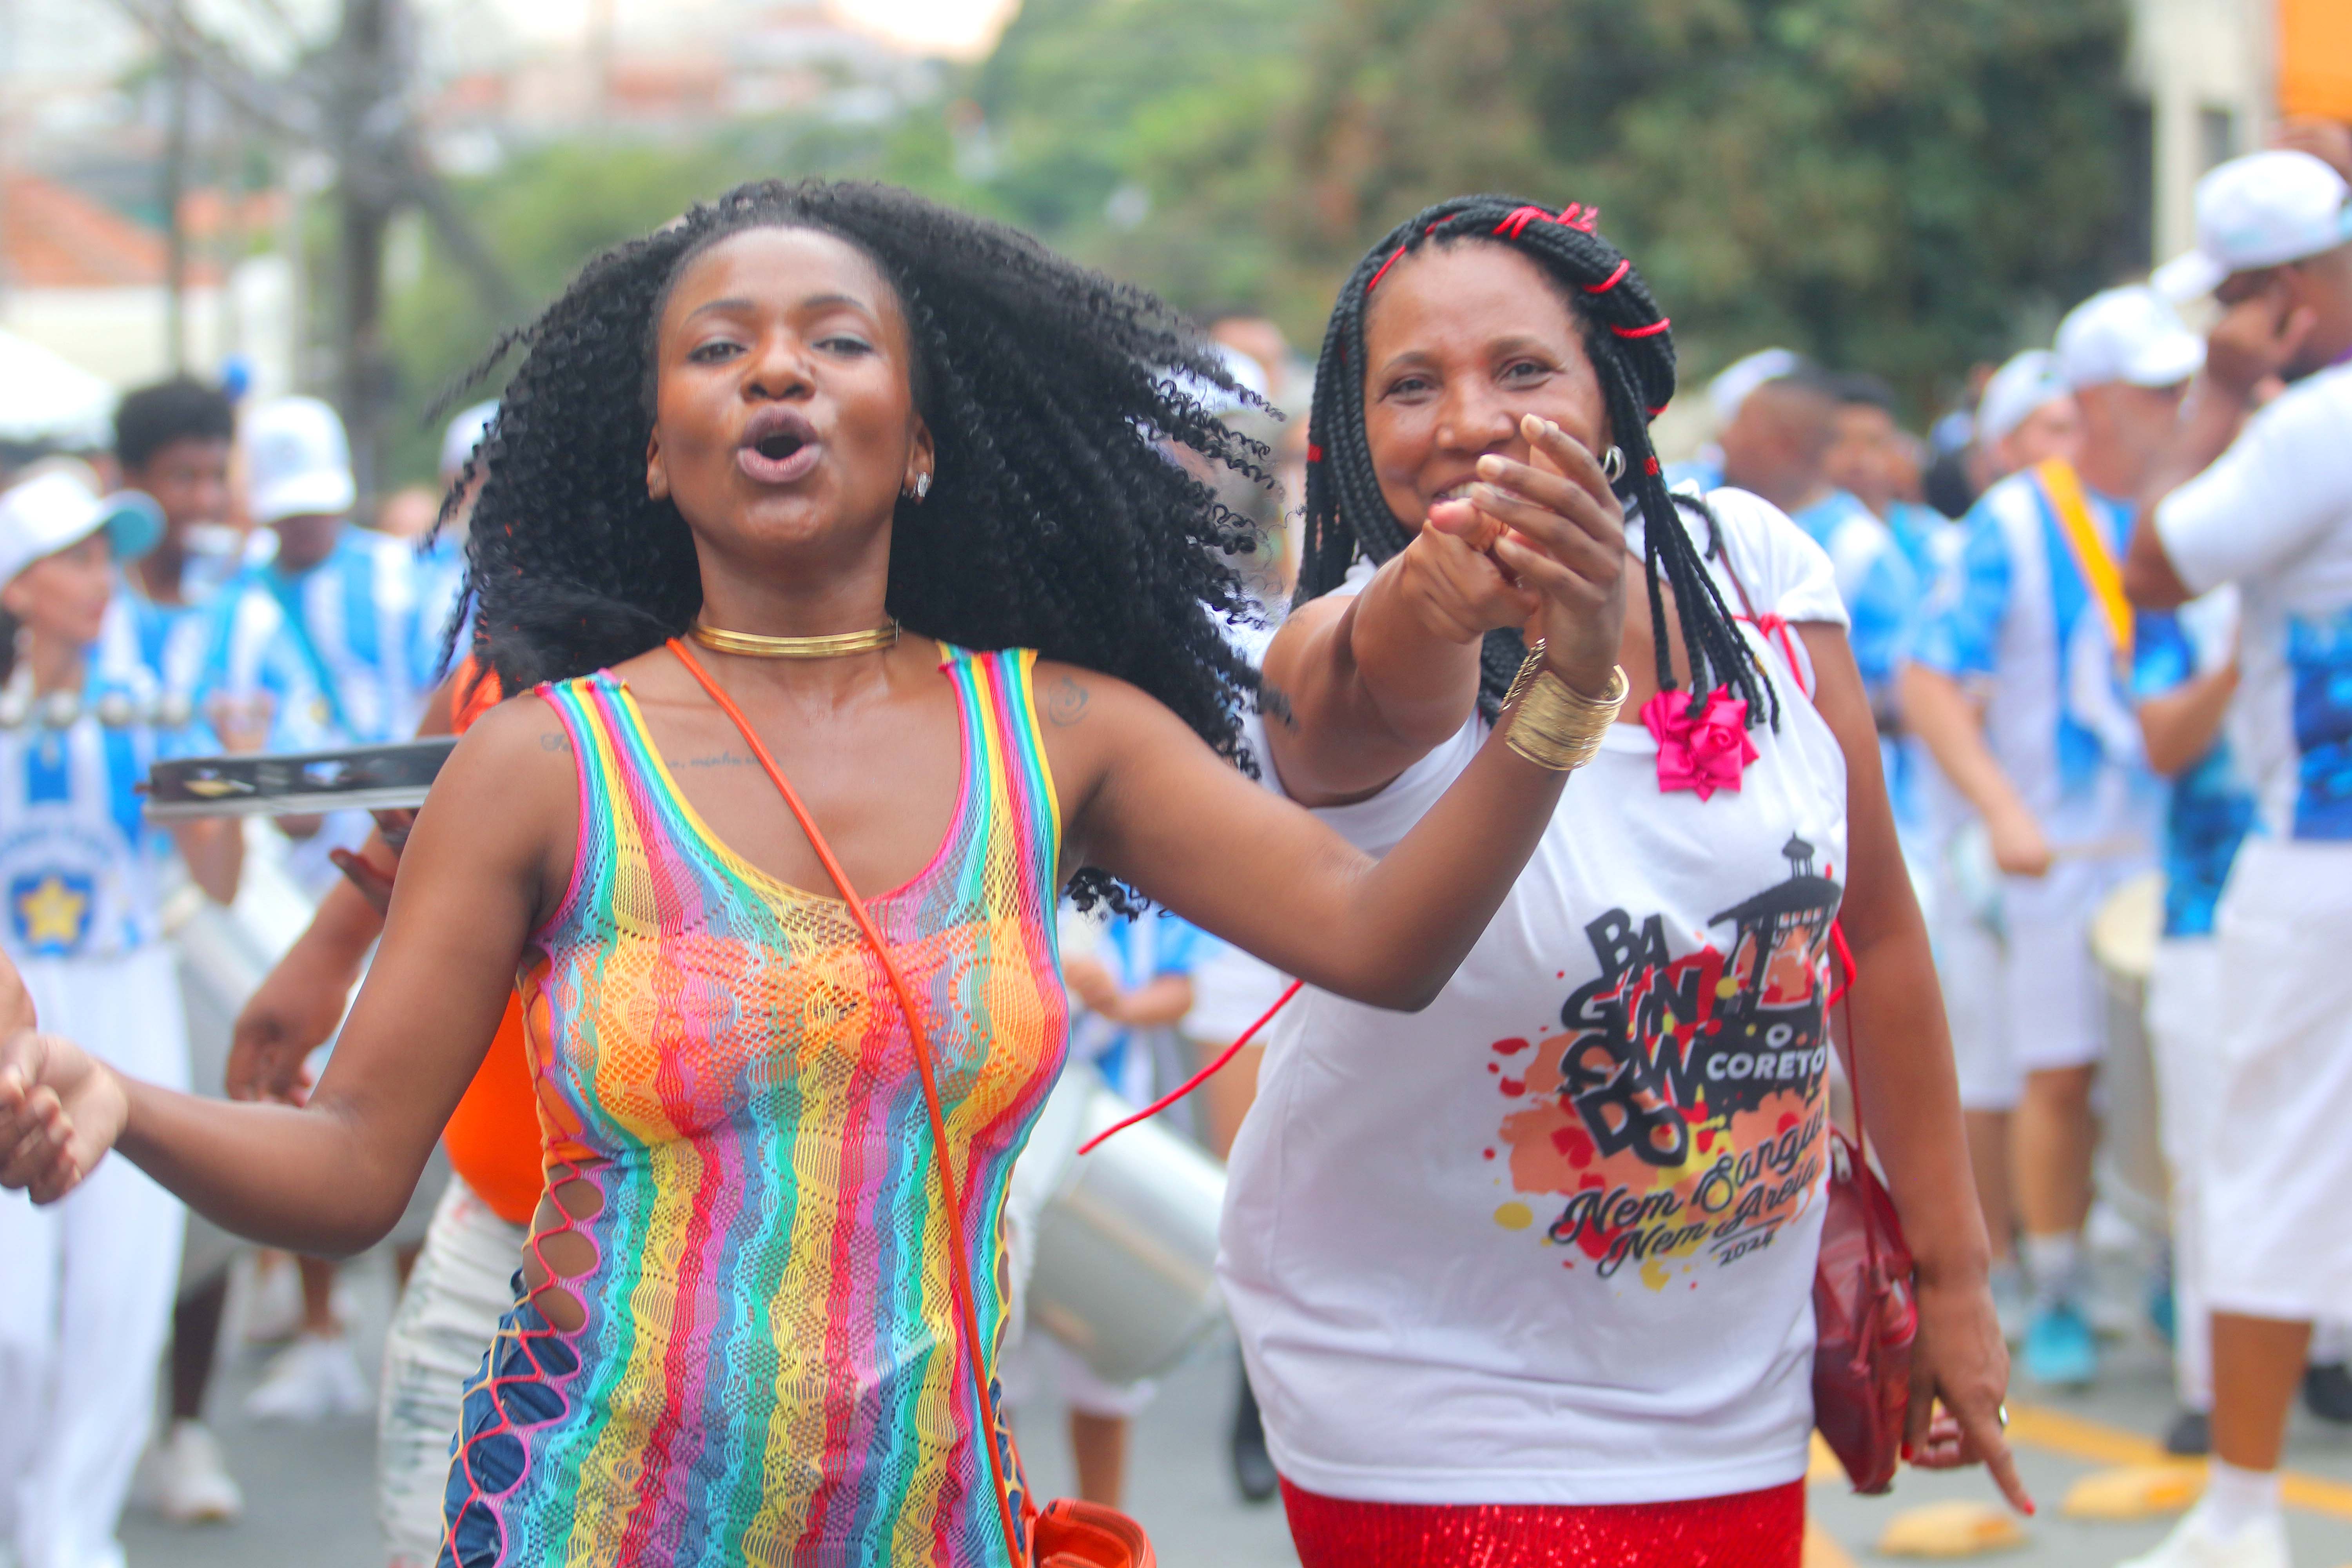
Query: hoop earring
x: 1612, y: 463
x: 922, y: 487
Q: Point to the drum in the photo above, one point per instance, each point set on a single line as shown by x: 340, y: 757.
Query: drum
x: 2131, y: 1168
x: 1125, y: 1244
x: 225, y: 954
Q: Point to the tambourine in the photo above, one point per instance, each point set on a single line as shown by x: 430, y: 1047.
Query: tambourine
x: 297, y: 783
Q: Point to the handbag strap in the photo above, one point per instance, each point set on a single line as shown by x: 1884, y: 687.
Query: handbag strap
x: 958, y: 1270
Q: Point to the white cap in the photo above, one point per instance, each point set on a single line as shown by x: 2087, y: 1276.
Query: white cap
x: 1247, y: 373
x: 298, y: 461
x: 58, y: 507
x: 1731, y: 387
x: 2126, y: 334
x: 465, y: 433
x: 2027, y: 382
x: 2260, y: 210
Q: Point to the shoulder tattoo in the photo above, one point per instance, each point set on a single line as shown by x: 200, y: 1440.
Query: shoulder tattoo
x: 1065, y: 702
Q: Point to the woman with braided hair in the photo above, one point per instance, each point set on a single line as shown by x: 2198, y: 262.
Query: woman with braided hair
x: 840, y: 440
x: 1526, y: 1277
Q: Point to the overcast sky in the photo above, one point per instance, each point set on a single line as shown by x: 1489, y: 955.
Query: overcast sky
x: 79, y: 38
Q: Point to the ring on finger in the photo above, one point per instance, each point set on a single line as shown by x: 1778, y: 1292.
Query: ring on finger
x: 2001, y: 1415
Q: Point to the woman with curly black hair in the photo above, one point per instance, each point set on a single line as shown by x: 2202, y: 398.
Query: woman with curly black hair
x: 764, y: 483
x: 1527, y: 1277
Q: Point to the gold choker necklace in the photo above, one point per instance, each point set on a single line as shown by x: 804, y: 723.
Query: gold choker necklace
x: 751, y: 645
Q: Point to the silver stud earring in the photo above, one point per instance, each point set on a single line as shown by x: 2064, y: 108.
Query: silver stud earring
x: 922, y: 487
x: 1612, y: 464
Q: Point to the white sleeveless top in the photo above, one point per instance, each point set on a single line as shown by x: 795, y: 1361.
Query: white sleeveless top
x: 1552, y: 1240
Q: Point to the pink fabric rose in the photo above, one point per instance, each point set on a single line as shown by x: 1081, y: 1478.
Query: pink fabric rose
x: 1702, y: 747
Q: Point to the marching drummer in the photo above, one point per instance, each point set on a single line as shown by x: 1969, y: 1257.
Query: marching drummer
x: 86, y: 1287
x: 322, y: 642
x: 1130, y: 985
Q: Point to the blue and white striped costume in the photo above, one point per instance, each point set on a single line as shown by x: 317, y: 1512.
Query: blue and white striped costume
x: 336, y: 649
x: 86, y: 1285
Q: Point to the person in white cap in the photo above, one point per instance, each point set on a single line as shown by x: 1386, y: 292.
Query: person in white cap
x: 2018, y: 686
x: 2026, y: 414
x: 324, y: 641
x: 1725, y: 394
x: 2263, y: 500
x: 325, y: 632
x: 86, y: 1287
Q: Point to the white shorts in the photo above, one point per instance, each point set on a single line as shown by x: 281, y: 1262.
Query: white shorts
x: 463, y: 1280
x: 2278, y: 1230
x: 2053, y: 1006
x: 1969, y: 970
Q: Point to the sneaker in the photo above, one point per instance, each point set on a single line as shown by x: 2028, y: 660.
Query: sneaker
x: 2190, y: 1435
x: 2327, y: 1391
x: 2059, y: 1349
x: 2010, y: 1304
x: 313, y: 1379
x: 2194, y: 1544
x: 183, y: 1478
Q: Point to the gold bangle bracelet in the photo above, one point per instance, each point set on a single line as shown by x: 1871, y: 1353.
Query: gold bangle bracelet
x: 1552, y: 724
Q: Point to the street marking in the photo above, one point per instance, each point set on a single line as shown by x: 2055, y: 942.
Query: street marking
x: 2102, y: 1444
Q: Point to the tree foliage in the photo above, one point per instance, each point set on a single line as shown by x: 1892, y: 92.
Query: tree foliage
x: 1890, y: 184
x: 1904, y: 185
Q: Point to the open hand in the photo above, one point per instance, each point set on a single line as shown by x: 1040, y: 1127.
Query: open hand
x: 293, y: 1012
x: 1559, y: 536
x: 1959, y: 1376
x: 60, y: 1111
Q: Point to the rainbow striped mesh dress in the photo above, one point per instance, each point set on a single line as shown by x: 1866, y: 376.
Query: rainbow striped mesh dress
x: 768, y: 1373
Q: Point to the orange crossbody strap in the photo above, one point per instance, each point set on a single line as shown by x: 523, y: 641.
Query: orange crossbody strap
x: 959, y: 1271
x: 2092, y: 559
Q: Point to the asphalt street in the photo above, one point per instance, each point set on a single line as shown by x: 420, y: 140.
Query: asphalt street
x: 310, y: 1503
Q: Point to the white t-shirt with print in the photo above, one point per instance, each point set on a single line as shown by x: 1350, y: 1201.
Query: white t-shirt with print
x: 1552, y: 1240
x: 2273, y: 514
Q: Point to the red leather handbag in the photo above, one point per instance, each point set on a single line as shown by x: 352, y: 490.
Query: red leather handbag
x: 1068, y: 1533
x: 1865, y: 1318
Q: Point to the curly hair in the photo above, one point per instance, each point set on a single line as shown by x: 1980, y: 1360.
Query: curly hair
x: 1627, y: 340
x: 1055, y: 519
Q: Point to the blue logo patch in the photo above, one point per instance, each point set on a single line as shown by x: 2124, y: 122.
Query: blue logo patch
x: 52, y: 911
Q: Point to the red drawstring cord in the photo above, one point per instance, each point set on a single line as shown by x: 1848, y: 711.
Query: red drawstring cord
x: 959, y: 1271
x: 1845, y: 962
x: 1198, y: 1079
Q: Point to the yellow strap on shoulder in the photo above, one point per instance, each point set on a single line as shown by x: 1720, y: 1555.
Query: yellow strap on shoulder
x: 2092, y: 559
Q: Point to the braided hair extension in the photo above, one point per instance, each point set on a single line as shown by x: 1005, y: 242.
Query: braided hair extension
x: 1055, y: 519
x: 1627, y: 340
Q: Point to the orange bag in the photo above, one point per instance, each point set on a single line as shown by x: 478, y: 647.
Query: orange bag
x: 1069, y: 1533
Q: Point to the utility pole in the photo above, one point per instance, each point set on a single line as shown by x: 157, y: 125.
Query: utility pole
x: 349, y: 99
x: 176, y: 198
x: 365, y: 117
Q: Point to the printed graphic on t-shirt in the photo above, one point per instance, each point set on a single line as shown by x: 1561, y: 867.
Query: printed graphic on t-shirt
x: 1678, y: 1118
x: 2319, y: 654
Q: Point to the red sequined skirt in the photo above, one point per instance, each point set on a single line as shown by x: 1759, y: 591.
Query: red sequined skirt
x: 1746, y: 1530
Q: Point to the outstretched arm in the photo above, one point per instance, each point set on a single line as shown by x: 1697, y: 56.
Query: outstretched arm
x: 1370, y: 683
x: 490, y: 852
x: 1158, y: 808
